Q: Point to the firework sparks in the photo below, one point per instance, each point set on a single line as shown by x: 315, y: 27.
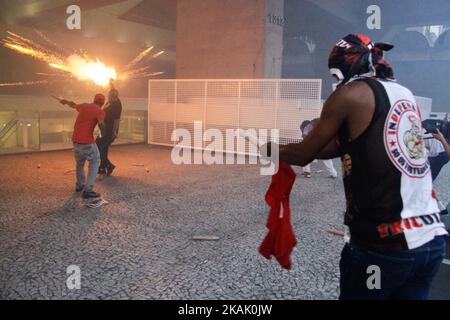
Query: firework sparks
x: 158, y: 54
x: 139, y: 73
x: 77, y: 66
x: 27, y: 47
x: 23, y: 83
x: 84, y: 69
x: 50, y: 42
x: 127, y: 75
x: 50, y: 74
x: 138, y: 58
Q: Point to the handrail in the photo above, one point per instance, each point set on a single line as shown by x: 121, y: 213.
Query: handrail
x: 51, y: 132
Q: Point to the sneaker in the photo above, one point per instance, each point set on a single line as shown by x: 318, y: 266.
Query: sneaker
x: 447, y: 209
x: 79, y: 188
x: 110, y: 169
x: 97, y: 202
x: 91, y: 194
x: 307, y: 174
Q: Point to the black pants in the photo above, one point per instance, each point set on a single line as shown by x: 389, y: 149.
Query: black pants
x: 437, y: 163
x: 103, y: 146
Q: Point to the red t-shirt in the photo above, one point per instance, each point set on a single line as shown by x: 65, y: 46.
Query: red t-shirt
x: 83, y: 130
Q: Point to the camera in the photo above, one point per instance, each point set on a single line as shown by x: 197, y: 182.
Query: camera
x: 431, y: 126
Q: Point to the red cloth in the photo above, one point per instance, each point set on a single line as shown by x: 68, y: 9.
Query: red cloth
x: 83, y: 131
x: 280, y: 241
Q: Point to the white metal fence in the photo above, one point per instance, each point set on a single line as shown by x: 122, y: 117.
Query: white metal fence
x: 231, y: 104
x: 425, y: 105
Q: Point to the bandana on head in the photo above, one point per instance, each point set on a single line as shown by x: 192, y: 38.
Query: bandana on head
x: 356, y: 55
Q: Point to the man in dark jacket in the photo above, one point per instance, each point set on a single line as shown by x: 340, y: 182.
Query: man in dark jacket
x: 113, y: 111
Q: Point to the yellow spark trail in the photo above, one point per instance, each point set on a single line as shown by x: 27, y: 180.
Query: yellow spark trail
x: 49, y: 74
x: 23, y: 83
x: 52, y: 43
x: 158, y: 54
x: 138, y: 58
x: 29, y: 48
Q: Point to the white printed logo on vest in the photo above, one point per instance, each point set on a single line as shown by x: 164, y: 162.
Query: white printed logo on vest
x: 403, y: 139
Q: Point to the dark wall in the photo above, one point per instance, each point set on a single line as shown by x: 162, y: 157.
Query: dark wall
x: 417, y: 64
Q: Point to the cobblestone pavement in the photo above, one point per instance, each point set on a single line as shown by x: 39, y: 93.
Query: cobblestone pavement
x: 139, y: 245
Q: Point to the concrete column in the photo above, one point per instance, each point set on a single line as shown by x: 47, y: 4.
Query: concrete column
x: 229, y: 39
x: 273, y: 45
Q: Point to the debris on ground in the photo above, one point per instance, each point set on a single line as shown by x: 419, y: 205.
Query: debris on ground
x: 95, y: 203
x: 205, y: 238
x: 336, y: 232
x: 137, y: 165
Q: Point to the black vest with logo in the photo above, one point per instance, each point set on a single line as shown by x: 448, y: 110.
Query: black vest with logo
x: 390, y: 201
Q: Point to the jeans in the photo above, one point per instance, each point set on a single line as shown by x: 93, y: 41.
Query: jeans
x: 437, y: 163
x: 404, y: 275
x: 103, y: 145
x: 90, y: 153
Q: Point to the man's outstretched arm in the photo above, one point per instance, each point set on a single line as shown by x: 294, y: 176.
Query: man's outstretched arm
x: 68, y: 103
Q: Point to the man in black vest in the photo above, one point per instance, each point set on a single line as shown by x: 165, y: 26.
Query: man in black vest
x: 397, y: 240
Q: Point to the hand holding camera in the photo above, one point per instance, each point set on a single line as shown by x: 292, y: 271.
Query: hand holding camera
x: 434, y: 125
x: 439, y: 136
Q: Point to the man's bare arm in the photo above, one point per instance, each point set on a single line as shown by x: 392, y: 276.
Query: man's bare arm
x: 330, y: 151
x: 68, y: 103
x: 353, y: 104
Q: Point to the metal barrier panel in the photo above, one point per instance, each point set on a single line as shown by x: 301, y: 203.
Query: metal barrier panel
x: 161, y: 111
x: 425, y: 104
x: 223, y: 104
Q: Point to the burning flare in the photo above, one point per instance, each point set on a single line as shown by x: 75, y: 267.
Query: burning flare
x: 85, y: 69
x: 81, y: 67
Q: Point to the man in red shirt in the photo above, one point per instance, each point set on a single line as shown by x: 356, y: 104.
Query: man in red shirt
x: 84, y: 146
